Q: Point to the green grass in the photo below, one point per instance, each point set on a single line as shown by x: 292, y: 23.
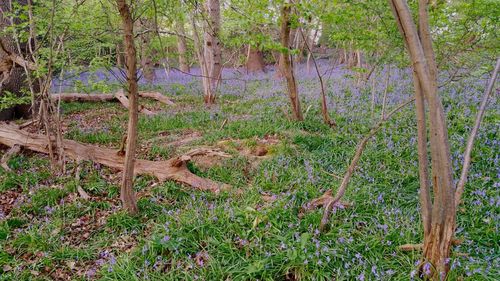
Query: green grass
x: 184, y: 234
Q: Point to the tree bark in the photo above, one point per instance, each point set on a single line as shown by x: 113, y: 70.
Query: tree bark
x: 119, y: 56
x: 182, y: 47
x: 437, y: 242
x: 201, y: 58
x: 212, y: 50
x: 287, y: 63
x: 127, y: 194
x: 146, y: 53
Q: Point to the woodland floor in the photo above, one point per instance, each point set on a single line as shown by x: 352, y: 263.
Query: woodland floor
x: 253, y: 231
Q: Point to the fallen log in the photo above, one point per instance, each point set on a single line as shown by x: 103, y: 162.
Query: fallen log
x: 120, y: 96
x: 173, y: 169
x: 156, y: 96
x: 71, y: 97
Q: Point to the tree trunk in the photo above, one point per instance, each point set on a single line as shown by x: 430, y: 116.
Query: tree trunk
x: 146, y: 53
x: 182, y: 47
x: 119, y: 56
x: 212, y: 50
x: 437, y: 241
x: 127, y: 189
x: 287, y: 63
x: 255, y: 60
x: 201, y: 58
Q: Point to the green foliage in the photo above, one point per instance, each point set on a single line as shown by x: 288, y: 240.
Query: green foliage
x: 8, y: 100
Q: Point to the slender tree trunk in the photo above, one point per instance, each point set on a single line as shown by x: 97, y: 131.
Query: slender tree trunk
x: 146, y: 52
x: 324, y: 107
x: 255, y: 60
x: 182, y: 47
x: 213, y: 48
x: 119, y: 56
x: 127, y: 188
x: 201, y: 58
x: 437, y: 242
x: 287, y: 63
x: 310, y: 49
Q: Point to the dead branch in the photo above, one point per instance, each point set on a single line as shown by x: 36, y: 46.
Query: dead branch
x: 70, y: 97
x: 173, y: 169
x: 157, y: 96
x: 326, y: 199
x: 473, y: 134
x: 120, y: 96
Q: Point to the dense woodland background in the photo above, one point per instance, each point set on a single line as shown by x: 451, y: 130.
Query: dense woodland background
x: 249, y: 140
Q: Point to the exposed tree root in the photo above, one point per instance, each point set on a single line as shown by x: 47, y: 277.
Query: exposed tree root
x: 173, y: 169
x: 119, y: 96
x: 420, y: 247
x: 411, y: 247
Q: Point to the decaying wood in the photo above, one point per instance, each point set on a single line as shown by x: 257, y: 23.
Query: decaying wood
x: 173, y: 169
x: 70, y: 97
x: 120, y: 96
x: 156, y: 96
x: 5, y: 158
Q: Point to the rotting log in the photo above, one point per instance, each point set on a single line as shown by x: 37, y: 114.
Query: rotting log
x: 120, y: 96
x: 70, y: 97
x: 173, y: 169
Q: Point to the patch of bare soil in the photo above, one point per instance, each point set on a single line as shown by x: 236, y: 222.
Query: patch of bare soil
x: 255, y: 150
